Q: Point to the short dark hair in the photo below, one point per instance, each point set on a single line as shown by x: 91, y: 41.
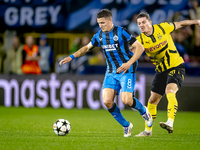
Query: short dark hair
x: 104, y: 13
x: 144, y: 14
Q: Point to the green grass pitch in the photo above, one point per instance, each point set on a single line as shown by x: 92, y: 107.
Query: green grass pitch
x: 32, y: 128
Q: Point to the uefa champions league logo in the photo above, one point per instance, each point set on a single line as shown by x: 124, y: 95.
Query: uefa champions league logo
x: 115, y: 38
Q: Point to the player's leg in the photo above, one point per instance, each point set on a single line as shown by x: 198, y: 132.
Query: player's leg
x: 175, y: 79
x: 157, y: 90
x: 172, y: 107
x: 128, y: 99
x: 152, y: 107
x: 127, y: 82
x: 108, y: 99
x: 111, y: 87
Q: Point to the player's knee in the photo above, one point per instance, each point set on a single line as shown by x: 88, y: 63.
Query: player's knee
x: 127, y: 103
x: 154, y: 100
x: 108, y: 103
x: 171, y: 88
x: 127, y: 100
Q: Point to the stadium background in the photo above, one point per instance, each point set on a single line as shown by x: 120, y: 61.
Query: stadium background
x: 65, y: 20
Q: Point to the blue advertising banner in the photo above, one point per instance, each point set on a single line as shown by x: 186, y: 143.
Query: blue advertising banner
x: 80, y: 15
x: 122, y: 10
x: 32, y: 13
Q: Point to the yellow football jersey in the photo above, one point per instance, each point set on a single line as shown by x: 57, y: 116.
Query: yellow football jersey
x: 160, y: 47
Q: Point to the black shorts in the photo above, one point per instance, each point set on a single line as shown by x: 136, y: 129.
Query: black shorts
x: 162, y: 79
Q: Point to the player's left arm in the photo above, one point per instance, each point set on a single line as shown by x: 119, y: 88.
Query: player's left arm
x: 82, y: 51
x: 185, y: 23
x: 138, y: 50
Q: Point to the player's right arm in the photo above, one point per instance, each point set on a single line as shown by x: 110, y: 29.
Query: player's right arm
x: 82, y: 51
x: 138, y: 49
x: 185, y: 23
x: 135, y: 46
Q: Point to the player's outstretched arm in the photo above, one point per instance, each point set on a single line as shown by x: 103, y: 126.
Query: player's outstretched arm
x: 185, y: 23
x: 82, y: 51
x: 139, y: 49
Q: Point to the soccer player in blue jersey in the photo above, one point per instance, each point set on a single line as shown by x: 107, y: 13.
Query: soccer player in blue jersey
x: 115, y: 42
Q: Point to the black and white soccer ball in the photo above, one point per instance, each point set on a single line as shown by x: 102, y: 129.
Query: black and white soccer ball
x: 62, y: 127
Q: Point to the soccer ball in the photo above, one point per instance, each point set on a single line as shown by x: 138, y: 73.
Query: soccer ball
x: 61, y: 127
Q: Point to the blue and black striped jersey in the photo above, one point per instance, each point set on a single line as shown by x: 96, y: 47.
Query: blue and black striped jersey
x: 115, y: 45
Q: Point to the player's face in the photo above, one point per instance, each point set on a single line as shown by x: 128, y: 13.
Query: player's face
x: 105, y: 24
x: 144, y: 24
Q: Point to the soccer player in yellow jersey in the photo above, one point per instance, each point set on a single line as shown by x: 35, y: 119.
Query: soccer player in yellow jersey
x: 170, y: 69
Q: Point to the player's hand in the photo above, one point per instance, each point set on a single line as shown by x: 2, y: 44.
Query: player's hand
x: 65, y: 60
x: 124, y: 67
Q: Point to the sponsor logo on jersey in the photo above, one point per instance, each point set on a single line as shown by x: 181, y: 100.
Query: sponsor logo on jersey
x: 110, y: 47
x: 156, y: 46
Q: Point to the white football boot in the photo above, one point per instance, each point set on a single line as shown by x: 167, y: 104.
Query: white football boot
x: 144, y: 133
x: 148, y: 118
x: 127, y: 130
x: 167, y: 125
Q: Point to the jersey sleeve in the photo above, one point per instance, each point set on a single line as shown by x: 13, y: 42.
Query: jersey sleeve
x: 138, y: 38
x: 128, y: 37
x: 94, y: 41
x: 167, y: 26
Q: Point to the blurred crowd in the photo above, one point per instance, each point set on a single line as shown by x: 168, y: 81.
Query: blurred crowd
x: 28, y: 58
x: 31, y: 58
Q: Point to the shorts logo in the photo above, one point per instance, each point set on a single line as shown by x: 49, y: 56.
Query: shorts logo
x: 129, y: 83
x: 183, y: 77
x: 172, y: 73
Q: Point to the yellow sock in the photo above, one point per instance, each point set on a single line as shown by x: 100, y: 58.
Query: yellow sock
x: 172, y: 106
x: 153, y: 111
